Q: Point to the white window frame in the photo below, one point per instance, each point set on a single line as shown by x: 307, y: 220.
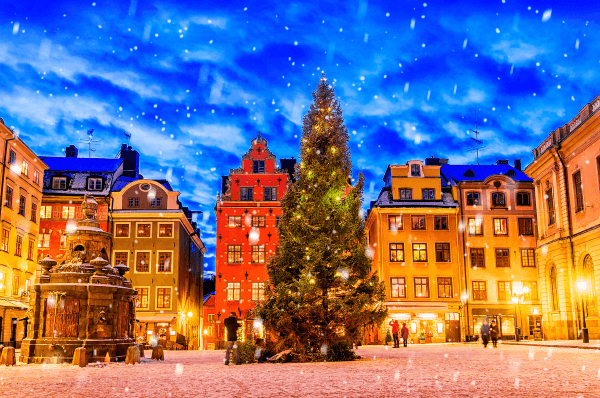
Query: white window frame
x: 156, y: 308
x: 59, y: 179
x: 172, y: 262
x: 94, y: 179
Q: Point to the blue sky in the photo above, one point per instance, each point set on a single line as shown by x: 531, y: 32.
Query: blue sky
x: 194, y: 81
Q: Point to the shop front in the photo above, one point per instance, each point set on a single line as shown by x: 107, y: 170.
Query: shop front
x: 426, y: 323
x: 155, y: 329
x: 504, y: 317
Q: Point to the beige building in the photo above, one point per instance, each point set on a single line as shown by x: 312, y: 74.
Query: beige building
x: 155, y: 236
x: 21, y: 188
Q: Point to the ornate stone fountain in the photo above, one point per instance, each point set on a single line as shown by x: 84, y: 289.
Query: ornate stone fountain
x: 83, y: 302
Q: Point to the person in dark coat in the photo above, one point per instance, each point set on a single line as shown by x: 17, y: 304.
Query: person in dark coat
x: 404, y: 333
x: 395, y: 329
x: 494, y: 333
x: 485, y: 332
x: 232, y: 325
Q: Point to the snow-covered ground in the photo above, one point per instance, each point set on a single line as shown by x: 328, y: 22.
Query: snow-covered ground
x: 454, y: 370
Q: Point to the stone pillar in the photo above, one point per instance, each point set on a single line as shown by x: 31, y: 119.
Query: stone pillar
x: 133, y: 355
x: 8, y: 356
x: 80, y: 357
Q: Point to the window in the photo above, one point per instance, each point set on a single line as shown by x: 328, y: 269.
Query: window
x: 2, y: 282
x: 475, y: 226
x: 25, y: 168
x: 498, y: 199
x: 45, y: 211
x: 588, y: 277
x: 143, y: 295
x: 395, y: 223
x: 550, y: 205
x: 8, y: 201
x: 277, y: 219
x: 22, y: 204
x: 36, y: 176
x: 211, y: 318
x: 234, y: 291
x: 479, y: 290
x: 59, y: 182
x: 473, y: 199
x: 165, y: 230
x: 247, y: 194
x: 523, y: 199
x: 502, y: 258
x: 444, y: 287
x: 396, y: 252
x: 442, y: 252
x: 5, y: 239
x: 405, y: 193
x: 415, y: 170
x: 398, y: 287
x: 121, y: 258
x: 421, y: 287
x: 68, y: 212
x: 235, y: 221
x: 34, y: 212
x: 270, y: 194
x: 15, y: 285
x: 12, y: 157
x: 142, y: 262
x: 133, y: 202
x: 163, y: 297
x: 28, y: 284
x: 143, y: 230
x: 420, y: 252
x: 578, y: 188
x: 477, y: 257
x: 164, y: 262
x: 500, y: 226
x: 428, y: 194
x: 94, y: 184
x: 43, y: 241
x: 553, y: 289
x: 122, y: 230
x: 528, y: 257
x: 156, y: 202
x: 63, y: 241
x: 258, y: 291
x: 532, y: 294
x: 469, y: 173
x: 418, y: 222
x: 258, y: 254
x: 259, y: 221
x: 19, y: 246
x: 258, y: 166
x: 234, y: 254
x: 30, y: 249
x: 526, y: 226
x: 504, y: 290
x: 441, y: 222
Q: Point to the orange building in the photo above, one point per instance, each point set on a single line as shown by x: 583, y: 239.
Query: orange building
x: 566, y: 173
x: 247, y: 215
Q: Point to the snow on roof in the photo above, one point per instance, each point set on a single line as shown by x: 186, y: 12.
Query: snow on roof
x: 385, y: 200
x: 94, y: 165
x: 459, y: 173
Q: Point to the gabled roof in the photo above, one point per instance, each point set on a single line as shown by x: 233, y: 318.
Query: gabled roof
x: 94, y: 165
x: 459, y: 173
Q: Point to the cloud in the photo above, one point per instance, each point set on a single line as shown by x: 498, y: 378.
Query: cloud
x: 228, y: 138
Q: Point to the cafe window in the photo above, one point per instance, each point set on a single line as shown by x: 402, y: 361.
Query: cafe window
x: 258, y: 291
x: 417, y: 222
x: 163, y: 298
x: 259, y: 221
x: 441, y: 222
x: 528, y: 257
x: 143, y: 230
x: 475, y: 226
x: 235, y: 221
x: 504, y: 290
x: 395, y: 223
x: 59, y: 183
x: 500, y: 226
x: 121, y: 258
x: 442, y: 252
x: 419, y: 252
x: 473, y: 199
x: 550, y: 206
x: 526, y: 226
x: 270, y: 193
x: 428, y: 194
x: 258, y: 254
x: 444, y: 287
x: 234, y: 291
x: 523, y: 199
x: 165, y: 230
x: 258, y: 166
x: 234, y: 254
x: 502, y: 258
x: 246, y: 194
x: 143, y: 295
x: 421, y: 287
x: 142, y: 262
x: 498, y: 199
x: 122, y: 230
x: 396, y: 252
x: 479, y: 290
x: 398, y: 287
x: 477, y: 257
x: 405, y: 193
x: 578, y: 188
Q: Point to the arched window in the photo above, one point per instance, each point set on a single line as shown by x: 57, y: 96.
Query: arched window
x: 588, y: 277
x: 469, y: 173
x: 553, y: 289
x: 511, y: 173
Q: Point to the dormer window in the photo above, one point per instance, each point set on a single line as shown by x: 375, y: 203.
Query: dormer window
x: 469, y: 173
x: 94, y: 184
x: 511, y: 173
x: 258, y: 166
x: 498, y: 199
x: 59, y: 182
x: 415, y: 170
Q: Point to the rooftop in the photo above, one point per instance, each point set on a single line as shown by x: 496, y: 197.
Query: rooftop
x: 459, y: 173
x: 94, y: 165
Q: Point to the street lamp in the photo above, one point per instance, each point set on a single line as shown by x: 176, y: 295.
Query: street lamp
x: 464, y: 299
x: 582, y: 285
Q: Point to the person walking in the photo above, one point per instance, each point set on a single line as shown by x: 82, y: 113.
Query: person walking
x: 485, y: 332
x: 404, y: 334
x: 232, y: 325
x: 395, y: 329
x: 494, y: 333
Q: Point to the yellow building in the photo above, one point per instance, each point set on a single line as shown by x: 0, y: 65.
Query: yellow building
x: 413, y: 235
x: 21, y: 190
x: 566, y: 171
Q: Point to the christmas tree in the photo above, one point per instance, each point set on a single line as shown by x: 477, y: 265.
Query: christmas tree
x: 321, y: 288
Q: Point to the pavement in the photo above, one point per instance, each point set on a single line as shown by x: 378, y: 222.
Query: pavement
x: 592, y: 345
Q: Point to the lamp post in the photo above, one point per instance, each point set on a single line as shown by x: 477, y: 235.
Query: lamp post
x: 582, y: 285
x: 464, y: 299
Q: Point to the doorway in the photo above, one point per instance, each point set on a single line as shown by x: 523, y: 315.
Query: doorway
x: 163, y: 333
x: 13, y: 332
x: 452, y: 324
x: 535, y: 325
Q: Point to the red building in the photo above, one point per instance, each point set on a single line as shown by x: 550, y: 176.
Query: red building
x: 208, y: 340
x: 247, y: 217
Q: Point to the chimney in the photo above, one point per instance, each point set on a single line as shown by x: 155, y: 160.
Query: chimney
x: 224, y: 181
x: 502, y: 161
x: 131, y: 161
x: 71, y: 151
x: 435, y: 161
x: 518, y: 164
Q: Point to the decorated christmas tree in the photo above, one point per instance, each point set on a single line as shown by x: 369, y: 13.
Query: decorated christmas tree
x: 321, y: 290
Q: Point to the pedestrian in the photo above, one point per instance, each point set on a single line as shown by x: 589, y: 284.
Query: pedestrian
x: 232, y: 325
x: 494, y: 332
x: 485, y: 332
x: 259, y: 350
x: 405, y: 334
x: 395, y: 329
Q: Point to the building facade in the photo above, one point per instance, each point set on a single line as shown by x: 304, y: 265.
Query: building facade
x: 413, y: 234
x: 21, y: 189
x: 566, y: 174
x: 247, y: 215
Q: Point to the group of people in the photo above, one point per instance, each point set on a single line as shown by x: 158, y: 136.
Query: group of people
x: 402, y: 331
x: 488, y: 331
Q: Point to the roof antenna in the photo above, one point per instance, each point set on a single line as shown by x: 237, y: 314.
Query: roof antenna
x: 478, y: 142
x: 90, y: 140
x: 128, y: 136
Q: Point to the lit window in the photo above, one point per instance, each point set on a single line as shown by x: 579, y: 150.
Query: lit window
x: 143, y: 296
x: 259, y: 221
x: 395, y: 223
x: 528, y: 257
x: 396, y: 252
x: 419, y: 252
x: 234, y: 254
x: 234, y: 291
x: 258, y: 291
x: 163, y: 297
x: 164, y: 262
x: 19, y: 246
x: 45, y: 211
x: 421, y: 287
x: 504, y: 290
x: 68, y: 212
x: 475, y: 226
x: 479, y: 290
x: 500, y: 226
x: 235, y: 221
x: 258, y: 254
x: 398, y: 287
x: 165, y: 230
x: 25, y: 168
x: 122, y: 230
x: 143, y: 230
x: 444, y: 287
x: 43, y: 241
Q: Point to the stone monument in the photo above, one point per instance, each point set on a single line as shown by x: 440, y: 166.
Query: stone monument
x: 83, y: 302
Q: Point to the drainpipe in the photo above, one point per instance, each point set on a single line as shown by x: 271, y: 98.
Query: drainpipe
x: 460, y: 203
